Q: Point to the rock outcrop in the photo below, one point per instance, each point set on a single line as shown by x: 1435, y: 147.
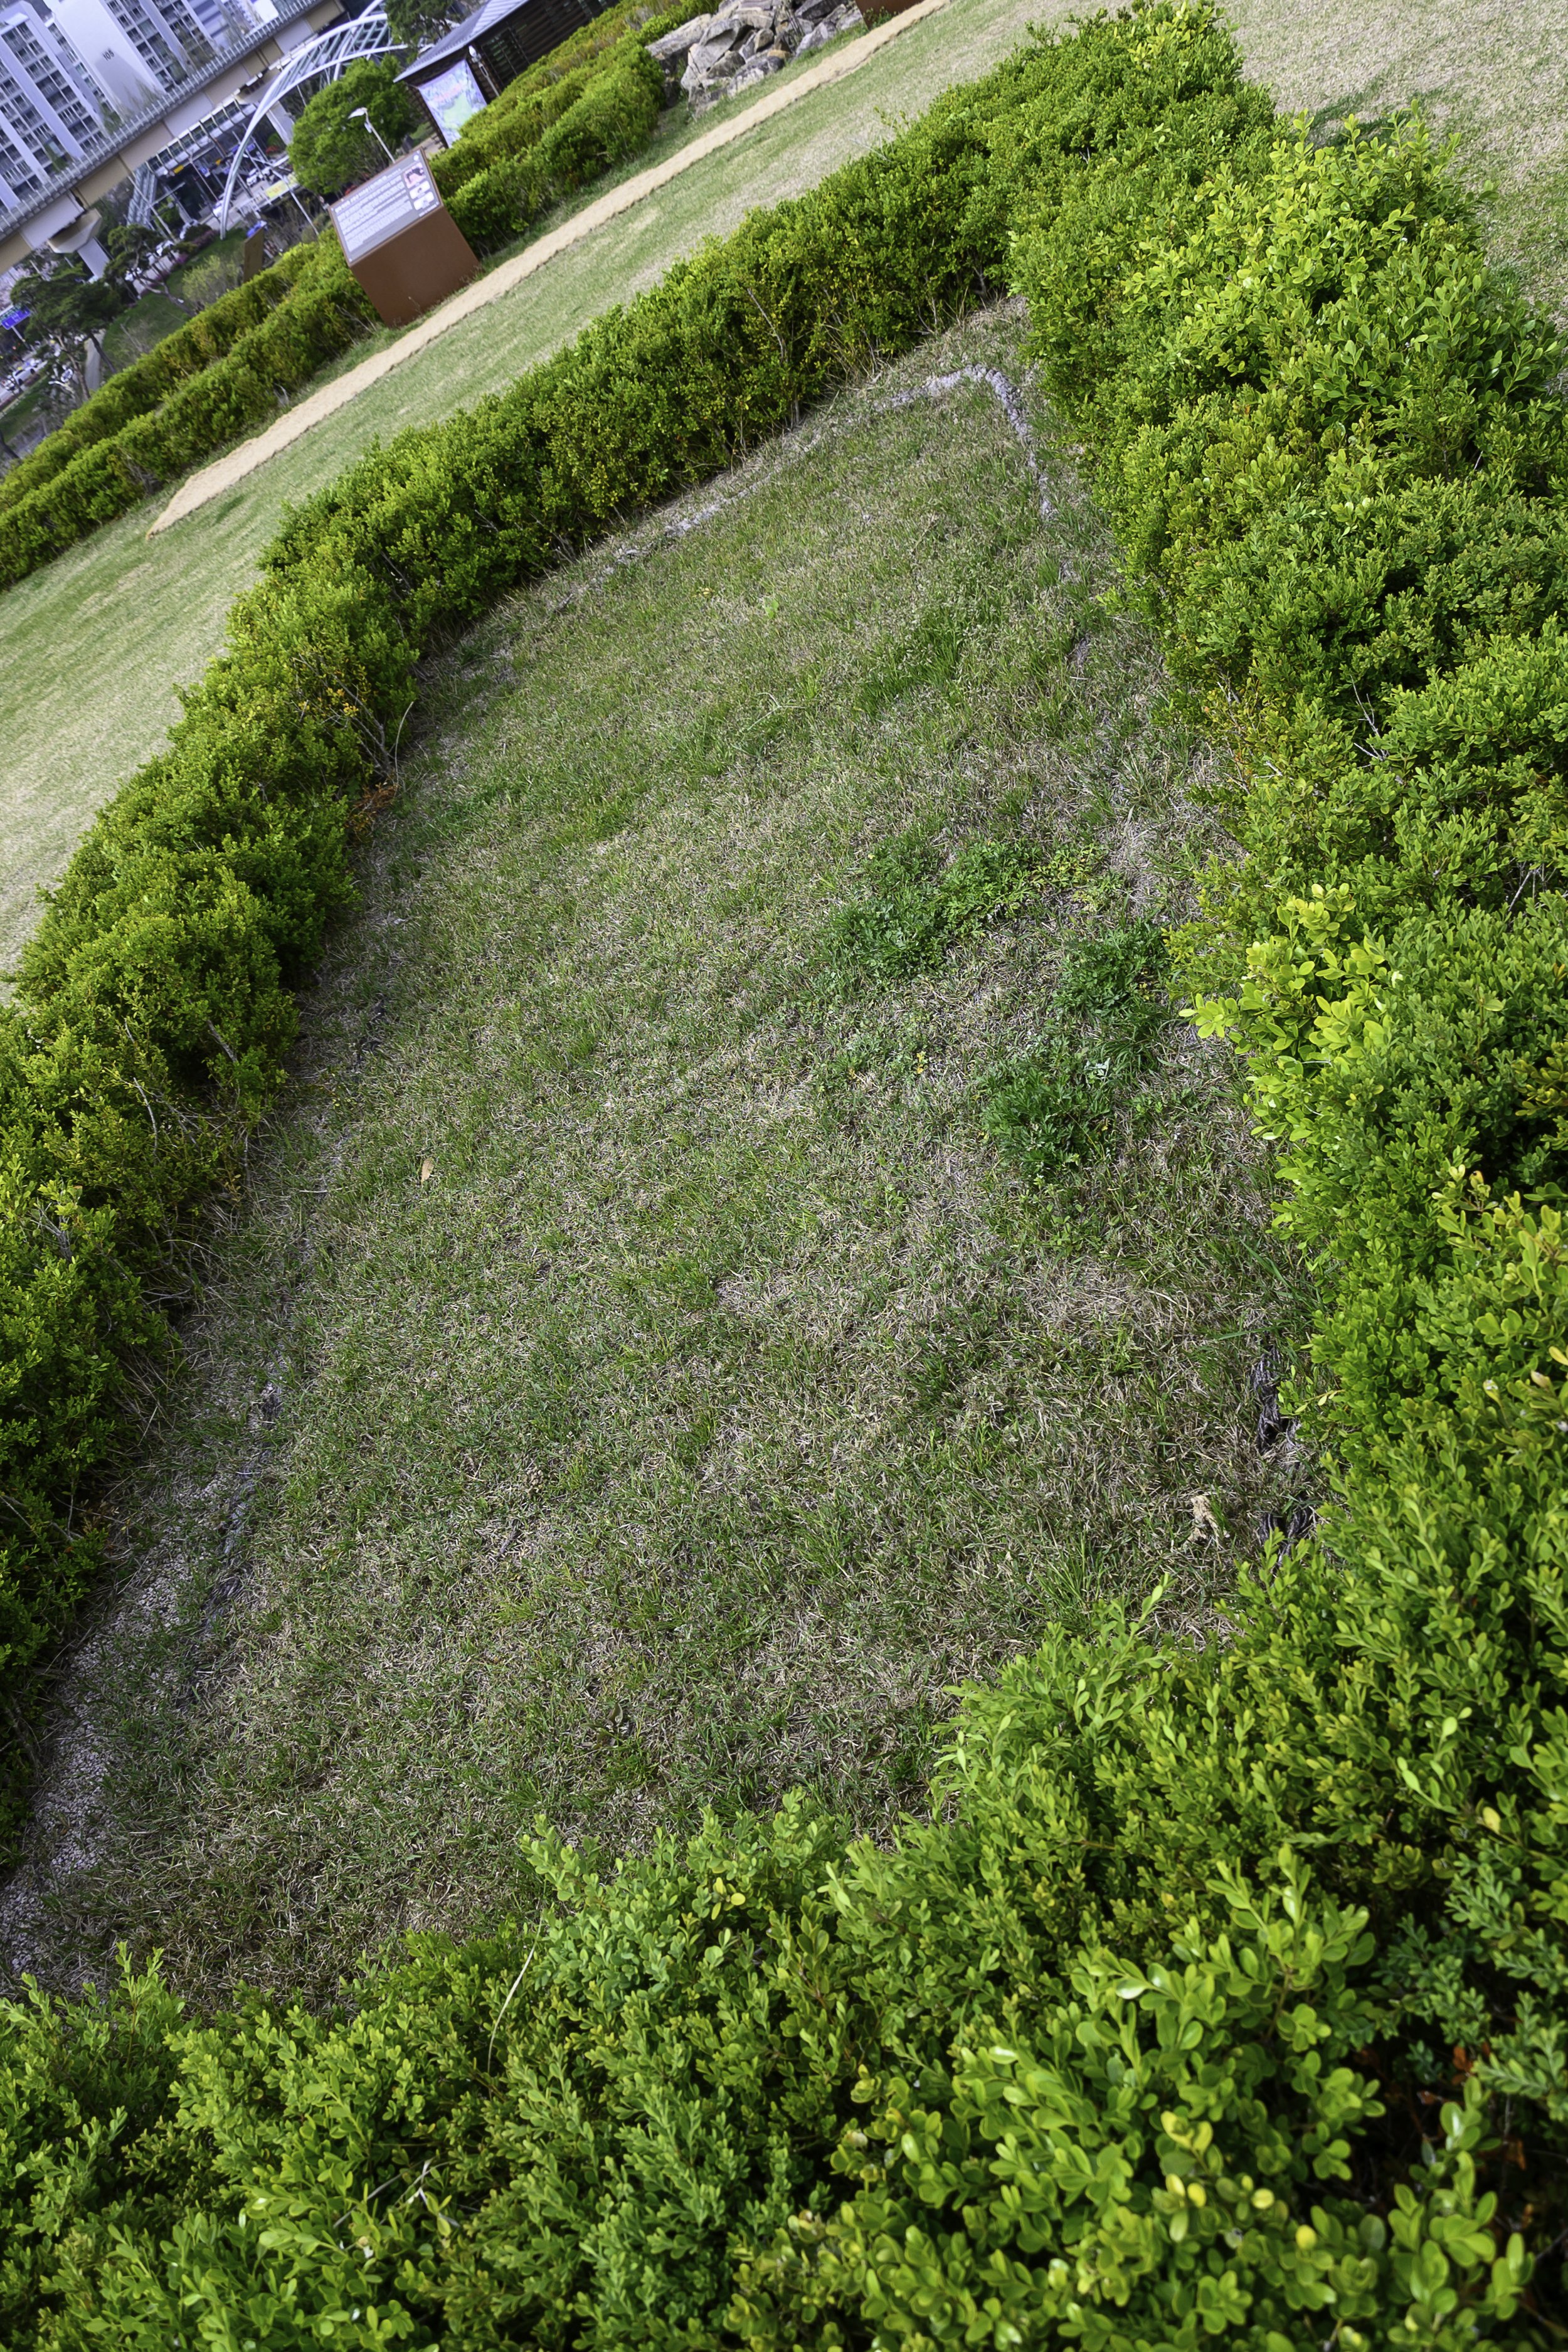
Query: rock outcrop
x: 742, y: 42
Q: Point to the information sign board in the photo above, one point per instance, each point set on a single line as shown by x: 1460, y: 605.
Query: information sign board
x: 401, y: 242
x: 452, y: 97
x: 381, y: 208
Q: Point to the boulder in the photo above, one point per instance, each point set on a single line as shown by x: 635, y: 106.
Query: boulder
x: 670, y: 45
x: 742, y: 42
x: 711, y: 61
x: 755, y: 69
x: 843, y: 19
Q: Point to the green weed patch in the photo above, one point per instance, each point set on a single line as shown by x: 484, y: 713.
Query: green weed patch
x: 916, y: 908
x: 1221, y: 1996
x: 1058, y: 1105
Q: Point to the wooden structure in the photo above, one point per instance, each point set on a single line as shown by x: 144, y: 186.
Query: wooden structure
x: 401, y: 242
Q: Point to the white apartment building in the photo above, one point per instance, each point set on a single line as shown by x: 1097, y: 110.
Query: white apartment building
x: 168, y: 35
x: 66, y: 72
x: 107, y: 51
x: 141, y: 50
x: 93, y: 90
x: 51, y: 106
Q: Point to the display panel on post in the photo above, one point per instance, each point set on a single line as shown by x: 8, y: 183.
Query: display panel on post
x: 452, y: 97
x: 401, y: 242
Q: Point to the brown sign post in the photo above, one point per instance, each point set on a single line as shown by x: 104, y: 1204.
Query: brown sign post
x: 401, y: 242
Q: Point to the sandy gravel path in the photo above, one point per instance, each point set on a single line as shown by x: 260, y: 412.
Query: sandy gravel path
x: 213, y: 479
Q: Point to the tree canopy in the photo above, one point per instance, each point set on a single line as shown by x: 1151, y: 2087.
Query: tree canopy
x: 68, y: 313
x: 330, y: 151
x: 417, y: 23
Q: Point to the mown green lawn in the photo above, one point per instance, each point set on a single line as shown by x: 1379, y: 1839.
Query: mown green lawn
x: 141, y: 329
x: 638, y: 1375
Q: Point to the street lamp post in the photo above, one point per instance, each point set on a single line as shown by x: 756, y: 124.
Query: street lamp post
x: 361, y: 115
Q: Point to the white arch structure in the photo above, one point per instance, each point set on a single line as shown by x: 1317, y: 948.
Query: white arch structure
x: 322, y: 60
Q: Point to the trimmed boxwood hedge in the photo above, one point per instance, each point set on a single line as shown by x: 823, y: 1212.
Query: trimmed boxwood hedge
x: 148, y: 382
x: 319, y: 313
x: 1222, y: 1996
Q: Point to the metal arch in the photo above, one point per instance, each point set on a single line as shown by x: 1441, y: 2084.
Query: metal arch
x: 322, y: 59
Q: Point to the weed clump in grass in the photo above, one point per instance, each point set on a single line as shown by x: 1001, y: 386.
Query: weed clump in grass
x: 1057, y: 1107
x: 916, y: 908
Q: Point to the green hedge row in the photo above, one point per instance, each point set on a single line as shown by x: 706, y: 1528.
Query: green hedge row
x: 149, y: 381
x: 527, y: 108
x: 613, y: 115
x: 322, y: 313
x: 1223, y: 1996
x: 227, y: 373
